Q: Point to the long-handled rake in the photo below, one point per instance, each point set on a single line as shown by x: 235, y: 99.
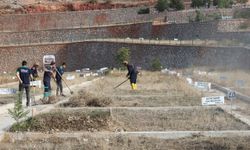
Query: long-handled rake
x: 71, y: 92
x: 121, y: 84
x: 33, y: 98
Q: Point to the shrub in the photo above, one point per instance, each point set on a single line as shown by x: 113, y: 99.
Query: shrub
x: 162, y: 5
x: 18, y: 113
x: 177, y: 4
x: 199, y: 16
x: 223, y: 3
x: 144, y: 11
x: 200, y: 3
x: 122, y: 55
x: 156, y: 64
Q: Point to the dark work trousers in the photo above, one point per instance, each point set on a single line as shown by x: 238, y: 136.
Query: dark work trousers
x: 59, y: 87
x: 27, y: 91
x: 133, y: 78
x: 47, y: 86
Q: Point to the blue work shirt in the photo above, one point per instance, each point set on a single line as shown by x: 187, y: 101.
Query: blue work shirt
x: 47, y: 73
x: 59, y: 73
x: 34, y: 72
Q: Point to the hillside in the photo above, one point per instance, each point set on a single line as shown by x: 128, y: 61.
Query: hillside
x: 37, y: 6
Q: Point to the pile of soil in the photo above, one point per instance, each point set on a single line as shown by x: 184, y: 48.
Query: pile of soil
x: 50, y: 100
x: 88, y: 99
x: 59, y: 121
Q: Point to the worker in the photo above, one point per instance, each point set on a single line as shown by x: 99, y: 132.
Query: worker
x: 24, y: 75
x: 49, y: 73
x: 132, y: 74
x: 59, y: 72
x: 34, y: 70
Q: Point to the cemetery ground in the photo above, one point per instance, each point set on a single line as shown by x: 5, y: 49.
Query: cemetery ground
x: 9, y: 81
x: 238, y: 80
x: 164, y: 113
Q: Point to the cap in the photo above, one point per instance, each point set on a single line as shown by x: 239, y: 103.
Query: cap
x: 125, y: 62
x: 36, y: 64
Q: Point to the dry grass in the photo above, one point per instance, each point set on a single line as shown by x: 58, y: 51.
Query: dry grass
x: 56, y: 121
x: 147, y: 81
x: 154, y: 89
x: 5, y: 99
x: 203, y: 119
x: 228, y: 79
x: 169, y: 119
x: 7, y: 78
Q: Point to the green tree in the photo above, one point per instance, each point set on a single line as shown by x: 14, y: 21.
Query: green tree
x: 198, y: 3
x: 156, y: 64
x: 162, y: 5
x: 199, y: 16
x: 122, y: 55
x: 223, y: 3
x: 18, y: 113
x: 177, y: 4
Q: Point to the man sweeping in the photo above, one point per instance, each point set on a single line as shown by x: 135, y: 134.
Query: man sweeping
x: 34, y: 70
x: 24, y: 74
x: 48, y: 74
x: 59, y: 73
x: 132, y: 74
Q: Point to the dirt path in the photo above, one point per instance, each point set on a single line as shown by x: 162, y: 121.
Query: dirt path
x: 6, y: 121
x: 152, y: 134
x: 239, y: 110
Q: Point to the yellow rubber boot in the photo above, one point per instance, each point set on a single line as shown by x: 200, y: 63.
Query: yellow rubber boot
x: 134, y: 86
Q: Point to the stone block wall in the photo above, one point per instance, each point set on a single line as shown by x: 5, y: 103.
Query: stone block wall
x: 102, y: 54
x: 186, y: 31
x: 76, y: 19
x: 75, y: 35
x: 212, y: 30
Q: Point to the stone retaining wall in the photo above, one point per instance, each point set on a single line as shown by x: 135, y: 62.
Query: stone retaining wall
x: 102, y: 54
x: 186, y: 31
x: 76, y: 19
